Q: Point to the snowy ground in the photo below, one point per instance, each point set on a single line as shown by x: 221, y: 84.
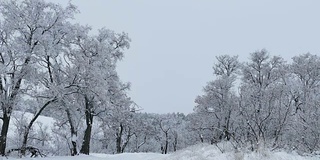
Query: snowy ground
x: 198, y: 152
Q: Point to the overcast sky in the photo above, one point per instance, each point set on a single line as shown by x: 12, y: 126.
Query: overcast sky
x: 174, y: 42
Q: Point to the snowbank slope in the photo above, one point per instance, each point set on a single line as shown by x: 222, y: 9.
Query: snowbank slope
x: 212, y: 152
x: 197, y: 152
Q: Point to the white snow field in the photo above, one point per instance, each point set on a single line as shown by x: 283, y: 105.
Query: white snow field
x: 197, y: 152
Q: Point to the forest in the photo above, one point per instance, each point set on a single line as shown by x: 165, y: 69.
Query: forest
x: 51, y: 67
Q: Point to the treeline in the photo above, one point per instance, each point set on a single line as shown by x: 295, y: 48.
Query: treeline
x: 265, y: 102
x: 50, y: 66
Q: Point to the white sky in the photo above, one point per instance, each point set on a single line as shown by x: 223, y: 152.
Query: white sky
x: 174, y: 42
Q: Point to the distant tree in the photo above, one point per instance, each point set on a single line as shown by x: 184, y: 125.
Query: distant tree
x: 143, y: 130
x: 195, y: 124
x: 118, y: 120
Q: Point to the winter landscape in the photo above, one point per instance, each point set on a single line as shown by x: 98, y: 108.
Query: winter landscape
x: 62, y: 97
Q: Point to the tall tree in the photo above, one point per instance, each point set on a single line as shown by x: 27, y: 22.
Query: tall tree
x: 260, y: 77
x: 29, y: 30
x: 306, y: 73
x: 218, y: 101
x: 94, y: 61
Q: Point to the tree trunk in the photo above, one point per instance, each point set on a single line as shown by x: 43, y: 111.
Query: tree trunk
x: 27, y: 130
x: 175, y: 142
x: 74, y: 147
x: 85, y: 148
x: 119, y: 139
x: 166, y: 145
x: 7, y: 110
x: 138, y: 146
x: 4, y: 133
x: 227, y: 128
x: 74, y: 134
x: 127, y: 140
x: 165, y: 131
x: 24, y: 142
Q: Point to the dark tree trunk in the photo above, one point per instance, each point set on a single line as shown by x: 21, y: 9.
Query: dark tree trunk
x: 85, y: 148
x: 24, y: 142
x: 74, y: 148
x: 164, y: 149
x: 7, y: 110
x: 166, y: 145
x: 175, y: 142
x: 227, y: 128
x: 127, y: 140
x: 119, y: 139
x: 4, y: 133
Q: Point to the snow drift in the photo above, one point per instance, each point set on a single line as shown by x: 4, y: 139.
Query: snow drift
x: 222, y: 151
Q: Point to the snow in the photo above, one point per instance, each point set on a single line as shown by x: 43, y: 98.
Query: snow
x: 26, y: 117
x: 124, y: 156
x: 74, y: 138
x: 132, y: 156
x: 197, y: 152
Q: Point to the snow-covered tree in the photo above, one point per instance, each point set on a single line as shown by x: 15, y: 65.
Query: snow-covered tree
x: 144, y: 132
x: 118, y: 120
x: 46, y: 59
x: 31, y: 32
x: 261, y: 78
x: 216, y: 107
x: 305, y: 129
x: 94, y: 61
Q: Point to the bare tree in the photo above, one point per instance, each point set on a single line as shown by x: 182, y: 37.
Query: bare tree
x: 218, y: 102
x: 306, y: 73
x: 258, y: 95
